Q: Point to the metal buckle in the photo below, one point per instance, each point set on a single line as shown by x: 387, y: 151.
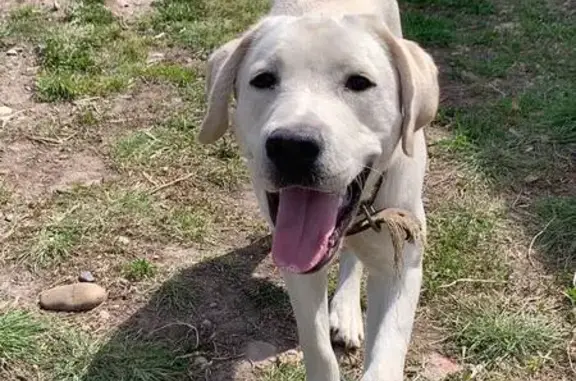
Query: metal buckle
x: 369, y: 211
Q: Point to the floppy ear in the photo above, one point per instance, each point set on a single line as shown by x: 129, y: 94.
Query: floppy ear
x: 420, y: 93
x: 222, y: 67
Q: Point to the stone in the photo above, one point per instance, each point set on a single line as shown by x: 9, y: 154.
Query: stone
x: 104, y: 315
x: 532, y: 178
x: 201, y: 362
x: 438, y: 367
x: 12, y: 52
x: 74, y: 297
x: 260, y: 351
x: 86, y: 276
x: 5, y: 111
x: 124, y: 240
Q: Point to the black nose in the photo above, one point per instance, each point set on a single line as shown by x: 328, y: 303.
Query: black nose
x: 294, y: 152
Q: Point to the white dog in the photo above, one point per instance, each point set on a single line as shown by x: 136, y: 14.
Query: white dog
x: 331, y: 101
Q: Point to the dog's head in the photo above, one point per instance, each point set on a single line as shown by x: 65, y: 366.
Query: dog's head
x: 318, y: 100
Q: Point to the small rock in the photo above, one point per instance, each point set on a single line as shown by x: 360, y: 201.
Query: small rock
x: 12, y: 52
x: 260, y: 351
x: 206, y: 325
x: 86, y: 276
x: 213, y: 305
x: 55, y: 5
x: 438, y: 367
x: 73, y: 297
x: 104, y: 315
x: 201, y: 362
x: 124, y: 240
x: 531, y: 178
x: 8, y: 217
x: 5, y: 111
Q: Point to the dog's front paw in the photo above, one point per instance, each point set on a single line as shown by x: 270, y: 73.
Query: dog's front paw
x: 346, y: 322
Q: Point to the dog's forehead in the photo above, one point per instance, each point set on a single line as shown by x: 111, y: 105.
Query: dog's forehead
x: 318, y: 38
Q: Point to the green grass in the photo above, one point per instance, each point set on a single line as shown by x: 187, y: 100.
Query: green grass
x: 173, y: 145
x: 488, y: 336
x: 462, y: 244
x: 284, y: 372
x: 88, y: 52
x: 139, y: 269
x: 30, y: 344
x: 177, y: 296
x: 203, y: 25
x: 428, y: 29
x: 87, y: 221
x: 558, y: 238
x: 19, y: 333
x: 462, y: 7
x: 137, y: 359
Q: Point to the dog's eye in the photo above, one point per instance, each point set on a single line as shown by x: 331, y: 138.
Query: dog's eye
x: 358, y: 83
x: 264, y: 80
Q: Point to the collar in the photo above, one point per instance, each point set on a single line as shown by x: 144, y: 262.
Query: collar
x: 367, y: 213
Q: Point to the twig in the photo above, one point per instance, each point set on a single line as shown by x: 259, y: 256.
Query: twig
x: 149, y: 134
x: 493, y: 87
x: 470, y: 280
x: 529, y: 255
x: 42, y: 139
x: 171, y: 183
x: 150, y: 179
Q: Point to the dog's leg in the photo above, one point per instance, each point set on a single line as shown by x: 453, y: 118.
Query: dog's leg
x: 345, y: 312
x: 392, y: 302
x: 309, y: 298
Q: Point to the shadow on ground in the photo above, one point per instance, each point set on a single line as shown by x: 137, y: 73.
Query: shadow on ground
x: 196, y: 326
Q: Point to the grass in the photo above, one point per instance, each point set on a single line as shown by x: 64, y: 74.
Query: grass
x: 489, y: 336
x: 462, y: 245
x: 30, y: 344
x: 558, y: 238
x: 284, y: 372
x: 88, y: 221
x: 202, y: 25
x: 173, y: 145
x: 18, y: 335
x: 139, y: 269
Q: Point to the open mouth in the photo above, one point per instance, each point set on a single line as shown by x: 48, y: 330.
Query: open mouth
x: 310, y: 225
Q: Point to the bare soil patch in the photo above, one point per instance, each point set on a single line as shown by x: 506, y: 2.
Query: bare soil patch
x: 31, y: 169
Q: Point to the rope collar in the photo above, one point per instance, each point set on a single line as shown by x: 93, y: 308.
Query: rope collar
x: 368, y: 213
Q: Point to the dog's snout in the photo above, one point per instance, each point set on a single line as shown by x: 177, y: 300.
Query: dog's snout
x: 294, y: 153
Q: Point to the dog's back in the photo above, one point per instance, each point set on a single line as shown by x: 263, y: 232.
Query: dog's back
x: 388, y: 9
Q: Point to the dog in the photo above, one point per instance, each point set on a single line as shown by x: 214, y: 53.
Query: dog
x: 331, y: 102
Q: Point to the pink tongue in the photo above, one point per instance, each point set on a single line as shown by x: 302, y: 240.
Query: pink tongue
x: 304, y: 223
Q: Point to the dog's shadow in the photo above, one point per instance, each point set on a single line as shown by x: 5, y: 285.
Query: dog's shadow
x: 196, y: 326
